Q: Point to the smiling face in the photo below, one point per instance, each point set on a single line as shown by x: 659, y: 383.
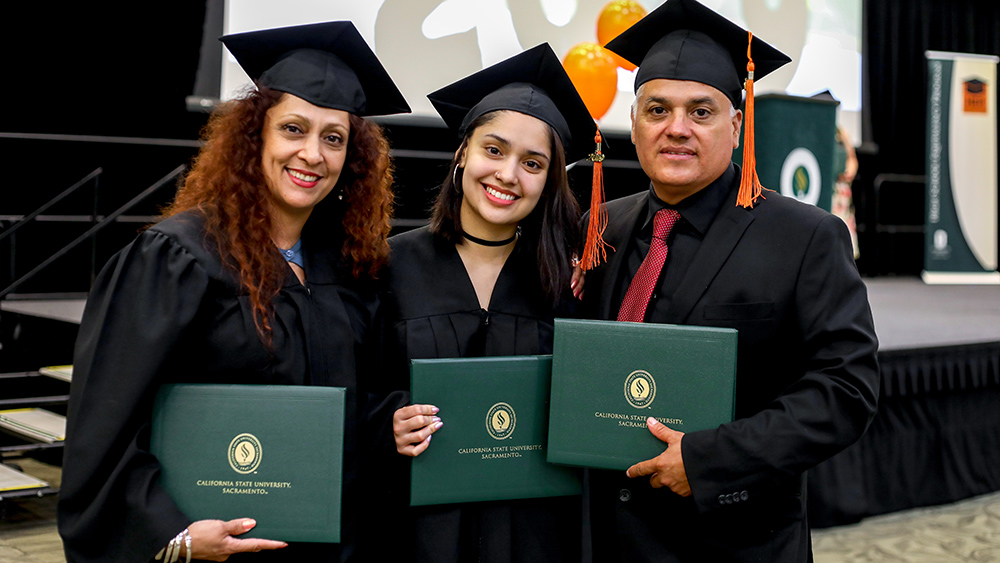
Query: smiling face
x: 304, y: 148
x: 684, y: 134
x: 506, y: 165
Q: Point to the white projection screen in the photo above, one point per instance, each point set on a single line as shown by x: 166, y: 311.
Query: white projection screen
x: 426, y: 44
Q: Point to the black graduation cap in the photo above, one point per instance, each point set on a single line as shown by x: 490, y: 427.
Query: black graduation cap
x: 533, y: 83
x: 684, y: 40
x: 327, y: 64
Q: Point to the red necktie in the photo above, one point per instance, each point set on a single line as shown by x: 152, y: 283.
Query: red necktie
x: 637, y: 297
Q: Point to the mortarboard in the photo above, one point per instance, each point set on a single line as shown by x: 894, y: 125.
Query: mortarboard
x: 327, y: 64
x: 684, y: 40
x: 533, y: 83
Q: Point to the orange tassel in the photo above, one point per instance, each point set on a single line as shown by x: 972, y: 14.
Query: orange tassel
x: 594, y: 250
x: 750, y: 187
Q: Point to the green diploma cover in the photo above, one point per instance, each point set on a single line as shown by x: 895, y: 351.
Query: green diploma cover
x: 269, y: 452
x: 492, y: 444
x: 609, y: 377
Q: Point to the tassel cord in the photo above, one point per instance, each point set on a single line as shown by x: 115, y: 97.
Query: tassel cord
x: 595, y: 249
x: 750, y: 186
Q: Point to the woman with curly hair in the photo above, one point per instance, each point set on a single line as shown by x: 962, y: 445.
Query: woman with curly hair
x: 486, y: 278
x: 258, y: 273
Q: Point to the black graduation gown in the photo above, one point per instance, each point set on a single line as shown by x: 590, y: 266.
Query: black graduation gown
x: 433, y: 312
x: 165, y: 310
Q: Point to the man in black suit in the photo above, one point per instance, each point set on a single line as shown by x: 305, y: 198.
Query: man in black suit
x: 779, y: 271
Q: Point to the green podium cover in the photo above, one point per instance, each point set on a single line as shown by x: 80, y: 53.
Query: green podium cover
x: 795, y: 147
x: 269, y: 452
x: 492, y: 444
x: 608, y: 377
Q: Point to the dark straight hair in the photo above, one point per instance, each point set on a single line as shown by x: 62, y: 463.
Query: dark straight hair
x: 552, y: 226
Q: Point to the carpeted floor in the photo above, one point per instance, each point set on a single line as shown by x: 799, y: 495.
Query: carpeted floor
x: 968, y: 530
x: 965, y: 531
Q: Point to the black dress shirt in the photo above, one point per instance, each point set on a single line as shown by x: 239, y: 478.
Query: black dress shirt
x: 697, y: 213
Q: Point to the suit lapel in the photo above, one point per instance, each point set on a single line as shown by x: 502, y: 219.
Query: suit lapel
x: 619, y: 235
x: 722, y: 237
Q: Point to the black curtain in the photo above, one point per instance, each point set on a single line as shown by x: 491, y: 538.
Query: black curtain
x: 115, y: 67
x: 896, y: 35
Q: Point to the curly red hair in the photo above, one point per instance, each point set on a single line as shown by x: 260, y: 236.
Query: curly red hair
x: 226, y: 185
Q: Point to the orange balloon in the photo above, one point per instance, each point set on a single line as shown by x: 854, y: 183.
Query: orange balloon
x: 616, y: 17
x: 595, y: 75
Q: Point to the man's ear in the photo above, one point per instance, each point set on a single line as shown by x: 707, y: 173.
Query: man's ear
x: 737, y: 123
x: 631, y: 116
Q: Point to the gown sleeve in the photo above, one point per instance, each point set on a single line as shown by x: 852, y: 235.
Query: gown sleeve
x: 111, y: 507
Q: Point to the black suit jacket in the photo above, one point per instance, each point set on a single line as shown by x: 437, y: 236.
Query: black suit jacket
x: 783, y: 275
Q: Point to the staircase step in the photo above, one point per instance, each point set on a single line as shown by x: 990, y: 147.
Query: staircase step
x: 35, y: 424
x: 62, y: 373
x: 60, y: 307
x: 16, y: 483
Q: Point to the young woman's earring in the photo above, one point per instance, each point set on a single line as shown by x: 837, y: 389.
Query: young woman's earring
x: 454, y: 179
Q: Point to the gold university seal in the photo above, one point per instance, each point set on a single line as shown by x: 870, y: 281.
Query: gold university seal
x: 244, y: 453
x: 640, y: 389
x: 500, y: 421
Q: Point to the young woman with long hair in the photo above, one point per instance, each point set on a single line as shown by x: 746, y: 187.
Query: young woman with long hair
x: 486, y: 278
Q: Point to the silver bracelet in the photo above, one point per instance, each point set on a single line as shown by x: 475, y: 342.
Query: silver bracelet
x: 172, y: 553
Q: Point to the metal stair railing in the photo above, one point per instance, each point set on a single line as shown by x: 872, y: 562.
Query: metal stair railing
x: 93, y: 230
x: 27, y: 218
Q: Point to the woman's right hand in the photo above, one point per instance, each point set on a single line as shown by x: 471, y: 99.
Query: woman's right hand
x: 413, y: 426
x: 214, y: 540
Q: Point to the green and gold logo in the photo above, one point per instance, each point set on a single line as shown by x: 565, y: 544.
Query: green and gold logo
x: 800, y: 182
x: 800, y: 176
x: 500, y: 421
x: 640, y: 389
x: 244, y: 453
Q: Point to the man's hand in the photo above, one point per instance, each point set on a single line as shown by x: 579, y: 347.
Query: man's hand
x: 666, y: 469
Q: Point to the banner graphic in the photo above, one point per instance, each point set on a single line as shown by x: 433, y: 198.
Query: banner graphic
x: 960, y: 237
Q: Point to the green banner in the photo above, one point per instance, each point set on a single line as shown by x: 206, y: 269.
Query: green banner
x: 960, y: 235
x: 795, y: 140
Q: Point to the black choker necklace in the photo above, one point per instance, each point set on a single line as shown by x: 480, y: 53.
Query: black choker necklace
x: 485, y: 242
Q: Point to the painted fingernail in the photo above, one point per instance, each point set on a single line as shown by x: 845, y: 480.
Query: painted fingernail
x: 438, y: 425
x: 434, y: 410
x: 429, y: 438
x: 436, y: 419
x: 572, y: 284
x: 651, y: 421
x: 249, y: 523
